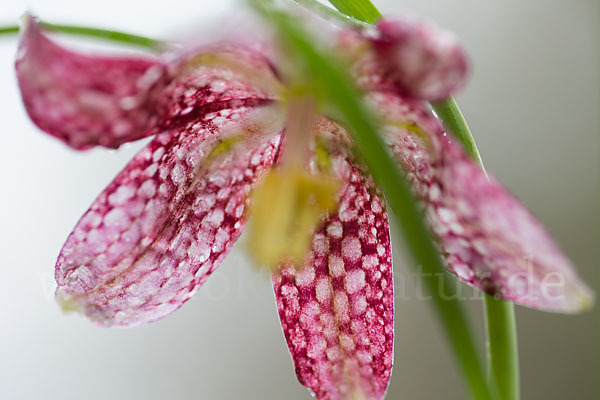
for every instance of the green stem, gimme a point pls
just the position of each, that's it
(502, 349)
(449, 113)
(105, 34)
(9, 30)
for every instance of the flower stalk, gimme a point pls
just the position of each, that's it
(501, 346)
(450, 115)
(105, 34)
(9, 30)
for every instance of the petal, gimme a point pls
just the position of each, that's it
(168, 219)
(413, 58)
(337, 313)
(213, 75)
(90, 100)
(85, 100)
(489, 240)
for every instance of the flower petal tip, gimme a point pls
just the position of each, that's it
(66, 303)
(25, 21)
(583, 299)
(70, 305)
(587, 302)
(575, 300)
(423, 61)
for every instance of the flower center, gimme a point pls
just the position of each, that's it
(291, 202)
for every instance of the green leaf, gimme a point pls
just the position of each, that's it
(329, 13)
(359, 9)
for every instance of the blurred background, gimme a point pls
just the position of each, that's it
(533, 104)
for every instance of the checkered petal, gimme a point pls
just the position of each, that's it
(168, 219)
(488, 238)
(337, 313)
(91, 100)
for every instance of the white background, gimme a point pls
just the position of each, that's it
(533, 105)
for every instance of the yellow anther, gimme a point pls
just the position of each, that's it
(288, 207)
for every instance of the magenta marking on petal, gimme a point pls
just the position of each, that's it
(165, 223)
(489, 240)
(337, 312)
(85, 100)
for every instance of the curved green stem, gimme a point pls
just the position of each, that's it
(449, 113)
(9, 30)
(105, 34)
(502, 353)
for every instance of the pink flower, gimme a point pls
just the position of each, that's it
(157, 232)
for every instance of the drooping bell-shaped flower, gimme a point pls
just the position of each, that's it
(222, 118)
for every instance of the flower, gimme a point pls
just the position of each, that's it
(219, 121)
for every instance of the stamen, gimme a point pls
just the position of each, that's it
(291, 202)
(287, 209)
(298, 132)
